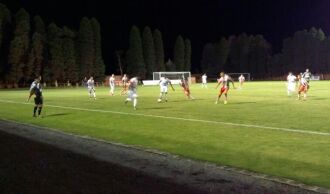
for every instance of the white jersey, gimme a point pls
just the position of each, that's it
(241, 78)
(133, 83)
(112, 81)
(307, 75)
(164, 82)
(132, 88)
(124, 80)
(90, 83)
(35, 84)
(224, 81)
(303, 81)
(291, 78)
(291, 83)
(204, 79)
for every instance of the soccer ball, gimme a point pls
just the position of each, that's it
(159, 100)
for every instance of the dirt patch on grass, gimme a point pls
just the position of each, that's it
(41, 160)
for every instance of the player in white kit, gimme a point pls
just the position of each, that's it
(204, 81)
(163, 83)
(291, 83)
(132, 91)
(112, 83)
(91, 88)
(241, 80)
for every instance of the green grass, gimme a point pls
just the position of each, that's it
(300, 156)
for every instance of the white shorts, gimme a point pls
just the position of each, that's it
(91, 89)
(291, 87)
(132, 94)
(163, 89)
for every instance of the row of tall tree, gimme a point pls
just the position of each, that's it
(253, 54)
(145, 54)
(29, 48)
(243, 53)
(306, 49)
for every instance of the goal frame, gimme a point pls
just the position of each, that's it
(158, 75)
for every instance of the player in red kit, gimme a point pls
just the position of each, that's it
(224, 80)
(185, 86)
(303, 87)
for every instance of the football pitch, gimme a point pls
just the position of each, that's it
(261, 129)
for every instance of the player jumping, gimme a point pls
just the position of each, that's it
(132, 91)
(224, 80)
(36, 90)
(91, 88)
(163, 83)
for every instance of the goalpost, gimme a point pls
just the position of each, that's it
(236, 75)
(173, 76)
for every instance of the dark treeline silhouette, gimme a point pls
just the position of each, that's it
(253, 54)
(29, 48)
(145, 54)
(306, 49)
(243, 53)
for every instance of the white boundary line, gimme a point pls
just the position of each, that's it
(182, 119)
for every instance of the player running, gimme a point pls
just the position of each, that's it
(112, 83)
(291, 83)
(163, 83)
(124, 83)
(132, 91)
(185, 86)
(241, 80)
(307, 75)
(204, 81)
(36, 90)
(303, 87)
(91, 88)
(224, 80)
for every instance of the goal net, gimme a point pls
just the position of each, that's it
(172, 75)
(235, 76)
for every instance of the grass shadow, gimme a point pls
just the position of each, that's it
(57, 114)
(245, 102)
(155, 108)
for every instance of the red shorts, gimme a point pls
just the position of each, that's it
(186, 91)
(224, 90)
(302, 88)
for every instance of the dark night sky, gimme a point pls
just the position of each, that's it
(201, 21)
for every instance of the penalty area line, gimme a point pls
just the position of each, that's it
(179, 118)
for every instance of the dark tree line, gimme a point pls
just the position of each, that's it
(253, 54)
(306, 49)
(146, 53)
(28, 48)
(243, 53)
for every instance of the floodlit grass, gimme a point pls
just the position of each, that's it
(300, 156)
